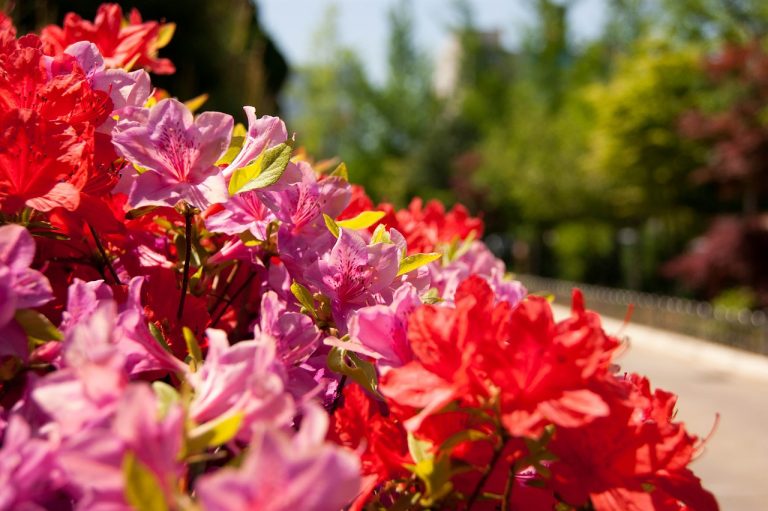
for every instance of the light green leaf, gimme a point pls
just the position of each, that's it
(362, 221)
(165, 34)
(420, 449)
(235, 145)
(193, 347)
(195, 103)
(139, 212)
(37, 326)
(412, 262)
(142, 489)
(380, 235)
(214, 433)
(332, 225)
(304, 297)
(263, 171)
(167, 396)
(341, 172)
(349, 364)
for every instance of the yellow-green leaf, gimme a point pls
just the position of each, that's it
(195, 103)
(332, 225)
(165, 34)
(412, 262)
(166, 395)
(419, 449)
(263, 171)
(193, 347)
(304, 297)
(362, 221)
(37, 326)
(380, 235)
(341, 172)
(142, 489)
(349, 364)
(214, 433)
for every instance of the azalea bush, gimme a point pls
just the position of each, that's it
(195, 316)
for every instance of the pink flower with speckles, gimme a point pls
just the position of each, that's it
(176, 154)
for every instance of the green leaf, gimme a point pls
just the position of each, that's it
(304, 297)
(235, 145)
(139, 212)
(142, 489)
(37, 326)
(167, 396)
(412, 262)
(362, 221)
(164, 35)
(214, 433)
(380, 235)
(419, 449)
(332, 225)
(263, 171)
(193, 347)
(158, 336)
(349, 364)
(195, 103)
(436, 475)
(341, 172)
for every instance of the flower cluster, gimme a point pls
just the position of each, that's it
(194, 318)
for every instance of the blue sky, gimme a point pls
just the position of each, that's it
(363, 24)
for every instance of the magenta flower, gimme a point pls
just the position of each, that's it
(244, 378)
(241, 213)
(92, 458)
(283, 473)
(295, 334)
(21, 287)
(178, 152)
(352, 273)
(380, 331)
(28, 476)
(477, 260)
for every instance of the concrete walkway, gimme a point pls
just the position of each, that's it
(710, 379)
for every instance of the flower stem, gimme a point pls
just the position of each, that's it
(337, 395)
(103, 253)
(508, 489)
(187, 256)
(237, 292)
(497, 452)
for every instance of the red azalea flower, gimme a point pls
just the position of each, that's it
(123, 44)
(633, 458)
(425, 228)
(40, 162)
(357, 424)
(543, 372)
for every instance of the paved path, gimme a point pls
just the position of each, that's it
(710, 379)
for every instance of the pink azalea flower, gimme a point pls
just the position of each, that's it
(125, 89)
(245, 378)
(480, 261)
(28, 476)
(295, 334)
(21, 287)
(283, 473)
(380, 331)
(262, 133)
(92, 458)
(352, 273)
(178, 152)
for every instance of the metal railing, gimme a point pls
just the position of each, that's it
(743, 329)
